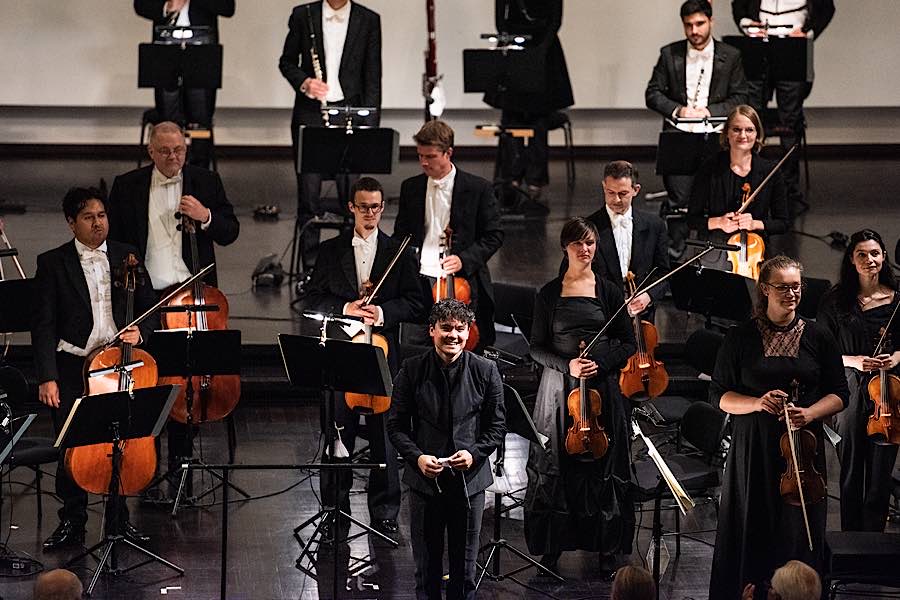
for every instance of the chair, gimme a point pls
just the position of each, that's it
(514, 307)
(560, 120)
(862, 557)
(31, 452)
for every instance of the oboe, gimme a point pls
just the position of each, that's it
(317, 66)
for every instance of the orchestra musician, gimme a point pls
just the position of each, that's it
(701, 78)
(577, 502)
(80, 310)
(447, 417)
(344, 265)
(855, 311)
(756, 365)
(628, 239)
(346, 71)
(717, 191)
(188, 106)
(445, 196)
(142, 212)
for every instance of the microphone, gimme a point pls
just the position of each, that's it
(709, 244)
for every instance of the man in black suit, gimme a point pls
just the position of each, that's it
(444, 196)
(447, 415)
(80, 310)
(344, 266)
(628, 239)
(142, 212)
(188, 106)
(701, 77)
(803, 19)
(348, 46)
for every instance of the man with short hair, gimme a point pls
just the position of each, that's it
(628, 239)
(698, 78)
(345, 267)
(80, 310)
(445, 197)
(447, 417)
(58, 584)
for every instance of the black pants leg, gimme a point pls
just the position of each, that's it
(790, 96)
(335, 484)
(518, 161)
(74, 499)
(384, 484)
(189, 107)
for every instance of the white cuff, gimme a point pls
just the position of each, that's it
(204, 226)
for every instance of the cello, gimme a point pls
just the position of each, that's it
(586, 434)
(643, 376)
(370, 403)
(454, 287)
(90, 466)
(884, 390)
(216, 396)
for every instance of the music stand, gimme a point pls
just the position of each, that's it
(775, 58)
(340, 151)
(188, 353)
(17, 428)
(713, 293)
(114, 418)
(682, 153)
(518, 421)
(16, 295)
(180, 65)
(335, 366)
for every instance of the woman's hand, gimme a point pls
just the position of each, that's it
(772, 402)
(800, 417)
(582, 367)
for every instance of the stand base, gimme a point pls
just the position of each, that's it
(108, 560)
(196, 463)
(495, 546)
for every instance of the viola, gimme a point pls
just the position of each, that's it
(643, 376)
(215, 396)
(454, 286)
(586, 434)
(90, 466)
(369, 403)
(746, 261)
(884, 390)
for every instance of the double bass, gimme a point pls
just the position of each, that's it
(643, 376)
(455, 287)
(884, 390)
(90, 466)
(215, 396)
(586, 434)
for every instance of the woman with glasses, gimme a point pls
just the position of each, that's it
(756, 366)
(717, 192)
(855, 311)
(578, 502)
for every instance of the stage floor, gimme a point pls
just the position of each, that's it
(847, 194)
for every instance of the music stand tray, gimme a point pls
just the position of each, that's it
(713, 293)
(175, 65)
(682, 153)
(16, 296)
(504, 71)
(338, 150)
(786, 58)
(114, 418)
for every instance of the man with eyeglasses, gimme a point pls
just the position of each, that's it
(345, 268)
(628, 239)
(146, 206)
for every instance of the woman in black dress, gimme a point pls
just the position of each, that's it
(758, 361)
(577, 502)
(854, 311)
(717, 190)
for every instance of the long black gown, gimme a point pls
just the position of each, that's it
(757, 531)
(866, 463)
(575, 503)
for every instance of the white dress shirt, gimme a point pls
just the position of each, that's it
(364, 250)
(622, 229)
(95, 265)
(438, 199)
(334, 32)
(698, 69)
(184, 19)
(164, 261)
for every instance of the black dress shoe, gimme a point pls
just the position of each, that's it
(133, 534)
(66, 534)
(386, 526)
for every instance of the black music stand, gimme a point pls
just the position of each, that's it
(335, 366)
(518, 421)
(188, 353)
(16, 294)
(180, 65)
(16, 429)
(775, 58)
(114, 418)
(340, 151)
(682, 153)
(713, 293)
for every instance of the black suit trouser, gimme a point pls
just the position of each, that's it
(518, 161)
(430, 517)
(189, 106)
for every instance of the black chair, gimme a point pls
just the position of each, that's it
(560, 120)
(862, 557)
(31, 452)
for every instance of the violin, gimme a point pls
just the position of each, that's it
(586, 434)
(801, 483)
(90, 466)
(884, 390)
(216, 396)
(746, 261)
(643, 376)
(454, 286)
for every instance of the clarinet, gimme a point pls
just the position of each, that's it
(317, 66)
(697, 91)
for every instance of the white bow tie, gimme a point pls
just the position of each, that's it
(336, 18)
(171, 181)
(620, 221)
(358, 241)
(88, 253)
(441, 185)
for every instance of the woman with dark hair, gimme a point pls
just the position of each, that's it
(756, 366)
(718, 186)
(855, 311)
(577, 502)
